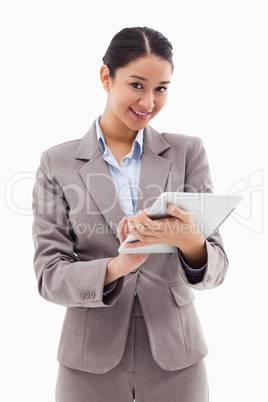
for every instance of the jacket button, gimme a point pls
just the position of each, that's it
(82, 295)
(92, 294)
(87, 294)
(208, 278)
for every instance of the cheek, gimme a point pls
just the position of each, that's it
(124, 99)
(116, 102)
(161, 102)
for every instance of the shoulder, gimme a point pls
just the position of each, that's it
(67, 154)
(183, 144)
(170, 142)
(186, 147)
(181, 140)
(173, 139)
(67, 148)
(187, 152)
(59, 156)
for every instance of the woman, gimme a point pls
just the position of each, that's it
(131, 329)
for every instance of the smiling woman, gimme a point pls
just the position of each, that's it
(136, 94)
(131, 329)
(136, 73)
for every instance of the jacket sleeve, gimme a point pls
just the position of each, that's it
(198, 179)
(62, 278)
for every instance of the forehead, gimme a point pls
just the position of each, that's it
(149, 68)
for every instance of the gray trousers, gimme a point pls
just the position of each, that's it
(136, 377)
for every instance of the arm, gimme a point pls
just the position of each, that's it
(62, 277)
(194, 275)
(195, 250)
(198, 178)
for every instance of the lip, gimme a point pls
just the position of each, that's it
(142, 116)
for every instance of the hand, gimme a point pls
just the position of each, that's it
(123, 264)
(179, 230)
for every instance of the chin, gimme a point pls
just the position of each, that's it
(139, 125)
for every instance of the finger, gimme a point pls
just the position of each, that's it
(146, 209)
(180, 213)
(141, 212)
(122, 229)
(144, 225)
(140, 232)
(144, 219)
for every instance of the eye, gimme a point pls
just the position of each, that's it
(136, 85)
(161, 89)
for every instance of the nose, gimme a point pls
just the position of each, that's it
(147, 101)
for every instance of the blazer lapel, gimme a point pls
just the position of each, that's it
(154, 168)
(98, 180)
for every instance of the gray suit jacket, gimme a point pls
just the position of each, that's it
(77, 211)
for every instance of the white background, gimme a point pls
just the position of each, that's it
(51, 52)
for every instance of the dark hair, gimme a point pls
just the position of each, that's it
(131, 43)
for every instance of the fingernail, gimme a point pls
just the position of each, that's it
(172, 207)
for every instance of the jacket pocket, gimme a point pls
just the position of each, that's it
(182, 294)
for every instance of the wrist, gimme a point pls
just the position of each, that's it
(112, 270)
(196, 257)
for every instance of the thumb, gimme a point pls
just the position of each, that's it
(122, 229)
(178, 212)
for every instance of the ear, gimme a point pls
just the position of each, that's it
(105, 77)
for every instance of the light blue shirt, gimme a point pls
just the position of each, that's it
(126, 176)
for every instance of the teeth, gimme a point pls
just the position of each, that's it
(139, 113)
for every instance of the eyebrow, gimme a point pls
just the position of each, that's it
(144, 79)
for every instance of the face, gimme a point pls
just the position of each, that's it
(138, 91)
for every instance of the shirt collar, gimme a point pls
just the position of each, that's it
(137, 144)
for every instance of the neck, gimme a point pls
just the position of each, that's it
(114, 130)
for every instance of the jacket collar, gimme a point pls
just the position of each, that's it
(89, 147)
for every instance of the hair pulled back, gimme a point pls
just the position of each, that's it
(131, 43)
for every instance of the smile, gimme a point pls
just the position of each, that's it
(140, 114)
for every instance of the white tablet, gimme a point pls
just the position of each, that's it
(208, 210)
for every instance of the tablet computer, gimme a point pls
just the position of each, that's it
(208, 210)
